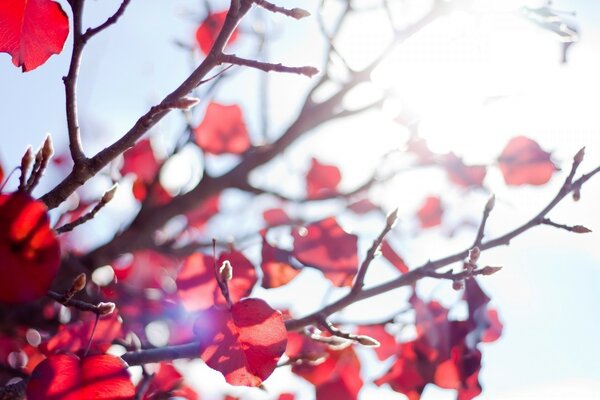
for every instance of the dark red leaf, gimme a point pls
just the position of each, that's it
(22, 35)
(322, 179)
(200, 215)
(390, 254)
(29, 249)
(338, 377)
(523, 162)
(198, 287)
(243, 343)
(430, 213)
(326, 246)
(76, 335)
(207, 32)
(167, 382)
(463, 175)
(66, 377)
(223, 130)
(140, 160)
(276, 267)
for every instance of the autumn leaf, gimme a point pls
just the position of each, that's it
(222, 130)
(75, 336)
(322, 179)
(326, 246)
(198, 288)
(29, 249)
(140, 160)
(276, 216)
(31, 31)
(390, 254)
(167, 382)
(200, 215)
(67, 377)
(463, 175)
(363, 206)
(276, 267)
(430, 213)
(523, 162)
(244, 343)
(209, 29)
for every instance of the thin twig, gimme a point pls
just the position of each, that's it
(110, 21)
(267, 67)
(359, 282)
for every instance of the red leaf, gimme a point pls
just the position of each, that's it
(387, 342)
(168, 383)
(243, 343)
(200, 215)
(275, 217)
(32, 30)
(327, 247)
(140, 160)
(286, 396)
(390, 254)
(430, 213)
(494, 330)
(523, 162)
(322, 179)
(66, 377)
(75, 336)
(198, 288)
(207, 32)
(338, 377)
(463, 175)
(29, 249)
(363, 206)
(1, 174)
(276, 267)
(223, 130)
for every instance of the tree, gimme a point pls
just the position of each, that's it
(171, 265)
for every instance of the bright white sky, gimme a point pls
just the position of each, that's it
(474, 80)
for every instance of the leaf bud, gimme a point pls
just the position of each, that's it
(105, 308)
(578, 158)
(47, 148)
(474, 254)
(487, 270)
(367, 341)
(79, 283)
(581, 229)
(299, 13)
(109, 194)
(458, 285)
(226, 271)
(489, 206)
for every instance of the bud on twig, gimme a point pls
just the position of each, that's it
(392, 218)
(105, 308)
(47, 148)
(226, 271)
(474, 254)
(26, 162)
(578, 158)
(109, 194)
(79, 283)
(186, 103)
(299, 13)
(458, 285)
(581, 229)
(487, 270)
(367, 341)
(489, 206)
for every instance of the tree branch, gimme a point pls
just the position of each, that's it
(267, 67)
(428, 269)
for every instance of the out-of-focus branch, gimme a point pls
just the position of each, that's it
(139, 357)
